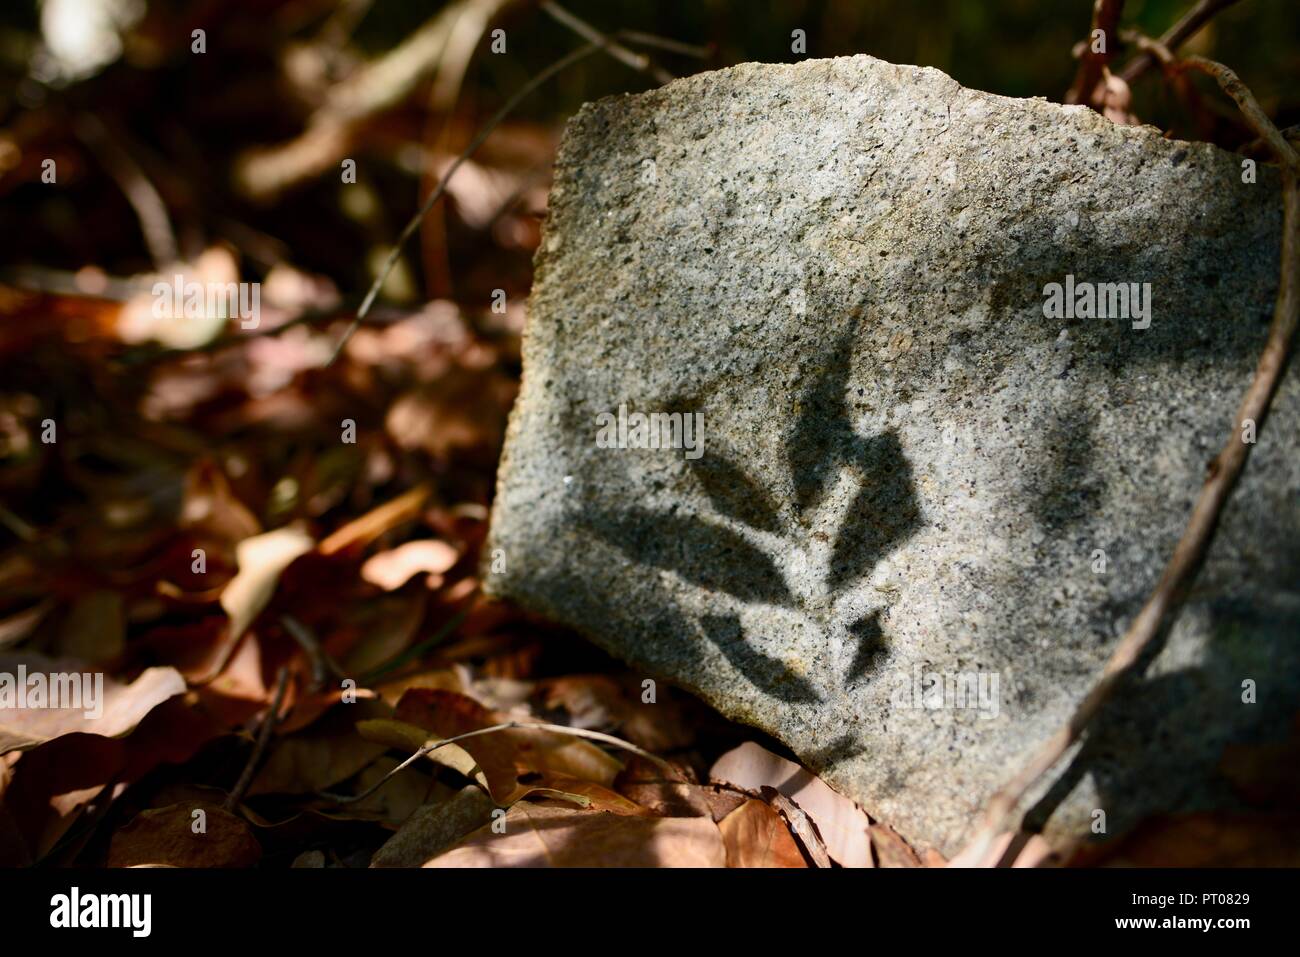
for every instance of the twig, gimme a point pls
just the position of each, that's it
(637, 61)
(800, 823)
(1291, 133)
(149, 207)
(269, 722)
(1231, 84)
(1181, 88)
(17, 524)
(322, 666)
(666, 43)
(482, 135)
(1176, 36)
(505, 726)
(1147, 44)
(1092, 65)
(371, 89)
(1162, 606)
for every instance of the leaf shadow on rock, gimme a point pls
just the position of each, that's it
(822, 435)
(882, 515)
(872, 648)
(702, 552)
(822, 441)
(1073, 490)
(726, 633)
(732, 492)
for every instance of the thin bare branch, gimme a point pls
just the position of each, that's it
(323, 666)
(395, 253)
(371, 89)
(1176, 36)
(269, 721)
(637, 61)
(505, 726)
(149, 207)
(1093, 63)
(665, 43)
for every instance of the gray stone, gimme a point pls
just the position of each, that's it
(908, 467)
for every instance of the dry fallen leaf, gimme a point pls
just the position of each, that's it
(397, 799)
(842, 824)
(586, 794)
(392, 569)
(398, 734)
(755, 836)
(209, 506)
(892, 850)
(362, 531)
(261, 560)
(537, 835)
(328, 752)
(435, 827)
(604, 703)
(514, 760)
(676, 795)
(184, 835)
(123, 706)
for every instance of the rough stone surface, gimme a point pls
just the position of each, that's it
(841, 264)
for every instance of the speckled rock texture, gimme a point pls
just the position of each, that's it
(912, 477)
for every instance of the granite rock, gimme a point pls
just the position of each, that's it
(926, 488)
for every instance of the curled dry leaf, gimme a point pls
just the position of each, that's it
(185, 835)
(392, 569)
(605, 703)
(435, 827)
(362, 531)
(514, 760)
(892, 850)
(398, 734)
(755, 836)
(677, 795)
(261, 560)
(586, 794)
(842, 824)
(538, 835)
(115, 710)
(321, 756)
